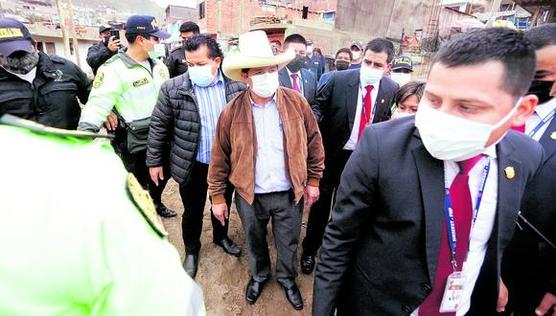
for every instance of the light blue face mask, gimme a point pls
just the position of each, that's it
(201, 75)
(369, 76)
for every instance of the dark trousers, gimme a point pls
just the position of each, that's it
(286, 226)
(136, 164)
(194, 195)
(320, 211)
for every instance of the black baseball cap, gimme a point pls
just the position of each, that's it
(145, 25)
(104, 28)
(403, 62)
(14, 36)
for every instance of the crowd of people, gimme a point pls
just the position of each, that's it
(423, 198)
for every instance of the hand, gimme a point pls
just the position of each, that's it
(311, 195)
(111, 122)
(113, 44)
(220, 211)
(548, 302)
(156, 173)
(502, 297)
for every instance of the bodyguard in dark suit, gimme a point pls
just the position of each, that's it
(294, 75)
(308, 84)
(435, 201)
(350, 100)
(529, 265)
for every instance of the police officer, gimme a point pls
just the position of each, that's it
(88, 242)
(176, 61)
(103, 50)
(35, 86)
(129, 83)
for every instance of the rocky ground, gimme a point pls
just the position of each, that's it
(223, 278)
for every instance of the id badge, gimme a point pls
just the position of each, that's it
(452, 293)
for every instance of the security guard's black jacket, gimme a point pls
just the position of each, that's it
(98, 54)
(51, 99)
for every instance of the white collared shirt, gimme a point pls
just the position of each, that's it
(541, 111)
(270, 167)
(482, 229)
(353, 138)
(299, 79)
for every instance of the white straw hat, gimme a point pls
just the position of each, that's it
(254, 52)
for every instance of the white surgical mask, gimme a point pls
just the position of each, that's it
(449, 137)
(355, 54)
(265, 85)
(201, 75)
(370, 76)
(309, 50)
(400, 78)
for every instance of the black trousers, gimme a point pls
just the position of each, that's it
(136, 164)
(194, 195)
(320, 211)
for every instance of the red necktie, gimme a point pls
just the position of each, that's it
(365, 111)
(295, 85)
(463, 217)
(520, 128)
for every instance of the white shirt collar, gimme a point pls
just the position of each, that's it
(298, 73)
(546, 108)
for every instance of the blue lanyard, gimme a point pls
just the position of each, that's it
(542, 123)
(449, 214)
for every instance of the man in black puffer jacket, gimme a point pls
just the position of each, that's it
(182, 128)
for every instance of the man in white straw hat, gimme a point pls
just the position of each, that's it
(269, 147)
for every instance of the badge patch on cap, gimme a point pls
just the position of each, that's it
(145, 204)
(11, 32)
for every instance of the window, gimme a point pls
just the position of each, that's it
(202, 11)
(50, 48)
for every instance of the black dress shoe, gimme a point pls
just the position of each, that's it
(253, 290)
(229, 247)
(294, 296)
(190, 264)
(164, 211)
(307, 264)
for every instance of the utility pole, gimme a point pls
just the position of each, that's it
(65, 39)
(74, 36)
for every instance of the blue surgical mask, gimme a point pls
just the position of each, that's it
(370, 76)
(201, 75)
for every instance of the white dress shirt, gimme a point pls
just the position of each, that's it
(541, 111)
(299, 79)
(482, 229)
(353, 138)
(270, 166)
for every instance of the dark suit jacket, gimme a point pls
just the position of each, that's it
(309, 83)
(380, 249)
(528, 266)
(336, 104)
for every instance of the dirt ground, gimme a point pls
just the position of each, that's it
(223, 278)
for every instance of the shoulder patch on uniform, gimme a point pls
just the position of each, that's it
(99, 80)
(12, 120)
(145, 204)
(140, 82)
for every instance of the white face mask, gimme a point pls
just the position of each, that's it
(368, 75)
(201, 75)
(400, 78)
(355, 54)
(309, 49)
(449, 137)
(265, 85)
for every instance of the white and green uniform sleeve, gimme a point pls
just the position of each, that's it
(74, 243)
(129, 87)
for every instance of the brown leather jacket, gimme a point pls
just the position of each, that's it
(234, 148)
